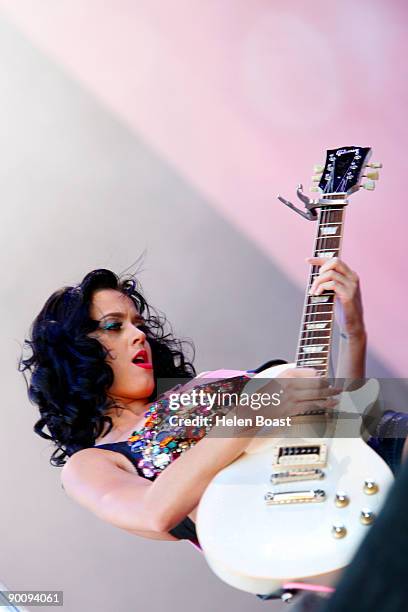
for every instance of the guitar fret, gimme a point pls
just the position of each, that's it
(329, 237)
(319, 299)
(328, 254)
(318, 323)
(316, 331)
(317, 312)
(330, 230)
(314, 348)
(306, 342)
(320, 303)
(314, 337)
(312, 361)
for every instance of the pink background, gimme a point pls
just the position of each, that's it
(242, 98)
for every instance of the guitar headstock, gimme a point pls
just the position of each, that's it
(344, 170)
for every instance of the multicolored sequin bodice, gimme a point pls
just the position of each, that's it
(159, 443)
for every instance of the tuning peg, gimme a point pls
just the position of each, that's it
(372, 174)
(370, 185)
(318, 169)
(316, 178)
(314, 188)
(375, 165)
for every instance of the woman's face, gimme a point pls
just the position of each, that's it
(119, 331)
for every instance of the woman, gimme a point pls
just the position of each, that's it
(98, 354)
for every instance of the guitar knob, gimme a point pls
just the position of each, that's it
(370, 185)
(339, 531)
(316, 178)
(318, 169)
(372, 174)
(375, 165)
(367, 517)
(341, 500)
(370, 487)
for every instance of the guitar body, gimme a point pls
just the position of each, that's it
(258, 547)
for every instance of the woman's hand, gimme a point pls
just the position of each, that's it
(304, 389)
(299, 389)
(335, 275)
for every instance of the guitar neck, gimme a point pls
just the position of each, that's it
(318, 313)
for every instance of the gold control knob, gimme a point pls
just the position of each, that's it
(370, 487)
(318, 169)
(370, 185)
(339, 531)
(341, 500)
(367, 517)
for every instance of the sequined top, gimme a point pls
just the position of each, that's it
(159, 442)
(151, 431)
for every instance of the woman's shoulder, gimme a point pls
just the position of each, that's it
(88, 458)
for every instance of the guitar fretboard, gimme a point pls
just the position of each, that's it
(318, 313)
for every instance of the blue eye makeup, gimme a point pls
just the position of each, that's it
(111, 325)
(117, 325)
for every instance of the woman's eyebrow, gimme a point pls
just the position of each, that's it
(112, 314)
(120, 314)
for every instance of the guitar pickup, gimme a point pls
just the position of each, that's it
(296, 475)
(298, 455)
(294, 497)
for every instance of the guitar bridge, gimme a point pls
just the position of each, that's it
(296, 475)
(294, 497)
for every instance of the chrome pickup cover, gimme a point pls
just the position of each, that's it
(298, 455)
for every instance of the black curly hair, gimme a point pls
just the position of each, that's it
(69, 375)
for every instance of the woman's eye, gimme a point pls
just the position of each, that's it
(112, 325)
(140, 323)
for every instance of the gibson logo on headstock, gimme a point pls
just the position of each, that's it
(344, 151)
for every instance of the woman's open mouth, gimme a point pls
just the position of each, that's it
(140, 359)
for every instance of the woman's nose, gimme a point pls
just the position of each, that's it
(137, 335)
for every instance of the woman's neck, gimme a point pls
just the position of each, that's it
(126, 416)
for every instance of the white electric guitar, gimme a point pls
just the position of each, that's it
(296, 509)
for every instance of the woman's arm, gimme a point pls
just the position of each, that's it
(179, 488)
(352, 357)
(96, 481)
(90, 475)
